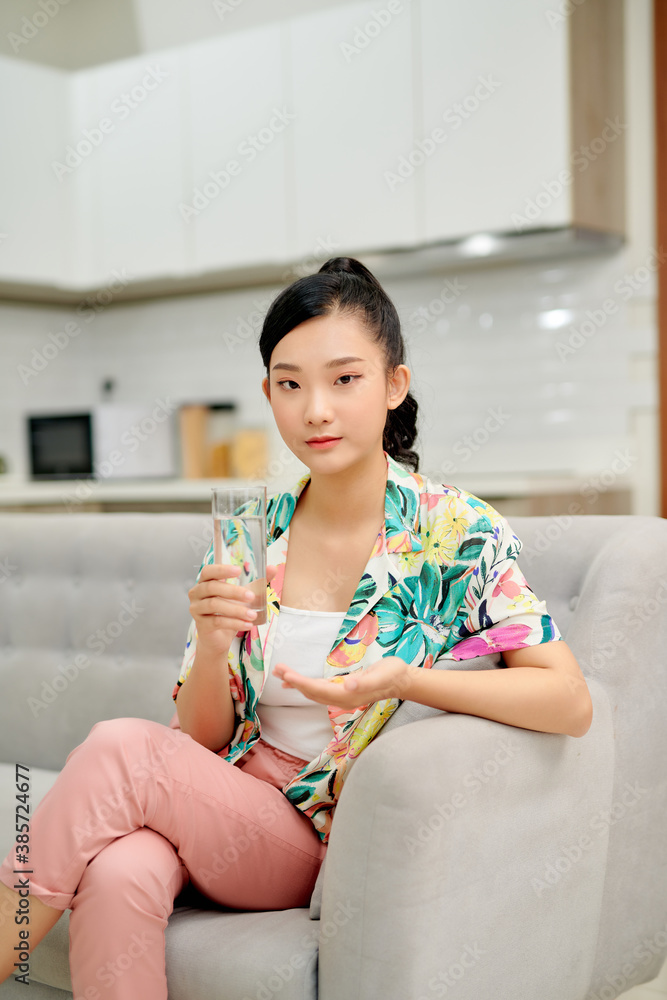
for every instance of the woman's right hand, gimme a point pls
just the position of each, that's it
(220, 606)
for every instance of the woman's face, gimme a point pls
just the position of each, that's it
(327, 379)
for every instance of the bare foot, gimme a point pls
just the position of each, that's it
(41, 919)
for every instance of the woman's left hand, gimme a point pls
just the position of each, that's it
(386, 678)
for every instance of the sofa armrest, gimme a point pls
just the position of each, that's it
(466, 852)
(407, 713)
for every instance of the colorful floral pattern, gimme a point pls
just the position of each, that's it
(441, 583)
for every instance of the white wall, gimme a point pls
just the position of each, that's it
(489, 351)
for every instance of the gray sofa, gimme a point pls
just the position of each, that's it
(497, 863)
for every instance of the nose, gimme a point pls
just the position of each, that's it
(318, 408)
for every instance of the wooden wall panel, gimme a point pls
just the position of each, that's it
(660, 70)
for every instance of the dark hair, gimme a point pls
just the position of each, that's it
(343, 284)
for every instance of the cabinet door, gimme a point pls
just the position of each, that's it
(36, 239)
(494, 82)
(131, 182)
(352, 86)
(241, 124)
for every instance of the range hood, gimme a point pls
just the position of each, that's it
(477, 250)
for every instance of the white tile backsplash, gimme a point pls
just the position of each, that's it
(492, 348)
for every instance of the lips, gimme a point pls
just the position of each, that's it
(322, 444)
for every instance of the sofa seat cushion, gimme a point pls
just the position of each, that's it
(215, 952)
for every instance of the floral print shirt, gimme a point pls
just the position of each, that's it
(441, 583)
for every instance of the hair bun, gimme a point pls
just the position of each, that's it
(347, 265)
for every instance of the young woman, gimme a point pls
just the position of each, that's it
(376, 574)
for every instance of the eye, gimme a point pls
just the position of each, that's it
(285, 383)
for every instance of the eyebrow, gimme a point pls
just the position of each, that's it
(335, 363)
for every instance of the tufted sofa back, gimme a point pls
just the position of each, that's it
(93, 621)
(94, 611)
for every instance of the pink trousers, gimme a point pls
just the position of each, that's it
(139, 810)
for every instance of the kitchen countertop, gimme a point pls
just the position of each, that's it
(82, 491)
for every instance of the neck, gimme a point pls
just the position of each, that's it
(353, 496)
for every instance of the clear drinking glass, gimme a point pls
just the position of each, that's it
(239, 538)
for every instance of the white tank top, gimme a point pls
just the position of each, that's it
(288, 719)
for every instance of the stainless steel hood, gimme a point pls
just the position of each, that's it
(477, 250)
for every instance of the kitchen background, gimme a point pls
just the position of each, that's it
(164, 174)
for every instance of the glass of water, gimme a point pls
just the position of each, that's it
(239, 538)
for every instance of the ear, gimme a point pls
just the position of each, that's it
(266, 388)
(398, 386)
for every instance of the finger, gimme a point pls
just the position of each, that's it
(218, 588)
(218, 571)
(232, 610)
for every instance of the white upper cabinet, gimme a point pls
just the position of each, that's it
(520, 102)
(129, 130)
(495, 114)
(351, 80)
(364, 127)
(36, 237)
(240, 121)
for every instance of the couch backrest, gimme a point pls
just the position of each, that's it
(558, 553)
(94, 614)
(94, 610)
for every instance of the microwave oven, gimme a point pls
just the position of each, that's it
(110, 441)
(61, 446)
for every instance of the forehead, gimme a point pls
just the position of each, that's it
(323, 338)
